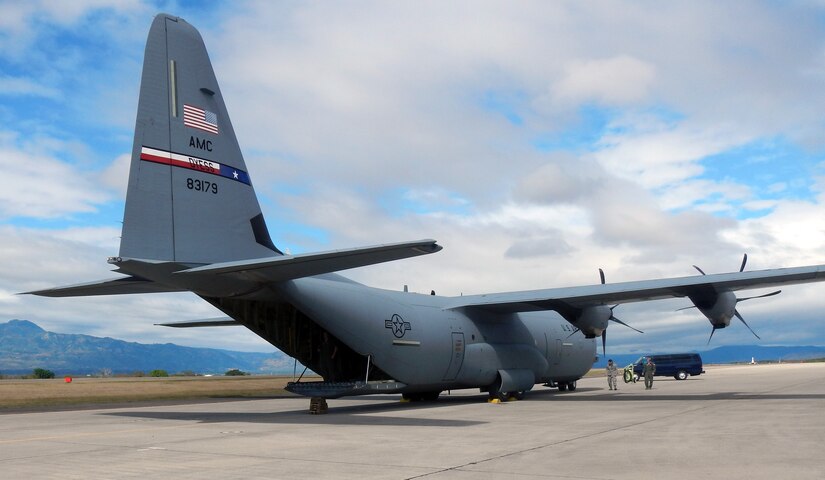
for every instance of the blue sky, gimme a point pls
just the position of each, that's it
(535, 144)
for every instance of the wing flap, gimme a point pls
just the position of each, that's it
(288, 267)
(627, 292)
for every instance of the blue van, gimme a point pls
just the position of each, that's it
(676, 365)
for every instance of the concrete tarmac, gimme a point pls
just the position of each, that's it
(735, 422)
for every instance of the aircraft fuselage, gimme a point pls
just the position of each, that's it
(412, 338)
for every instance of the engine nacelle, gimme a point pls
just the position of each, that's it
(718, 308)
(592, 321)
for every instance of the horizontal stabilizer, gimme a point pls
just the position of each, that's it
(117, 286)
(207, 322)
(288, 267)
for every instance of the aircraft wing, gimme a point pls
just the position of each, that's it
(627, 292)
(118, 286)
(288, 267)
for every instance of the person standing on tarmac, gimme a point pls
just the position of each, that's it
(650, 369)
(612, 372)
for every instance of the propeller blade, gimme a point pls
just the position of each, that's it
(601, 275)
(760, 296)
(711, 334)
(614, 319)
(604, 342)
(700, 270)
(744, 261)
(686, 308)
(735, 312)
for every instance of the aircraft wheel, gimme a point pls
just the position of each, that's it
(571, 386)
(562, 386)
(495, 391)
(430, 396)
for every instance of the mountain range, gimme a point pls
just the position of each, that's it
(730, 354)
(25, 346)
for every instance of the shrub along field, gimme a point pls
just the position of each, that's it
(85, 391)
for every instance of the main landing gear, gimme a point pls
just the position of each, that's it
(501, 397)
(562, 386)
(420, 396)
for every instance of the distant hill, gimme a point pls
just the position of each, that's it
(25, 346)
(731, 354)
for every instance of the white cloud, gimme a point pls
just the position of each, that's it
(613, 81)
(24, 86)
(347, 102)
(657, 154)
(38, 184)
(548, 245)
(565, 178)
(689, 193)
(116, 175)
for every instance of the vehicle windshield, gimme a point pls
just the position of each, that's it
(641, 361)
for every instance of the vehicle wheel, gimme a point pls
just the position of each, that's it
(627, 376)
(637, 377)
(572, 386)
(681, 375)
(562, 386)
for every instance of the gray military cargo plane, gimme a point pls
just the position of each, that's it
(192, 223)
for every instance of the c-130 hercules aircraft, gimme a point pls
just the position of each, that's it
(192, 223)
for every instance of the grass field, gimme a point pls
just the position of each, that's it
(84, 391)
(22, 394)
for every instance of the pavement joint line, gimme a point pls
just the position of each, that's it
(713, 403)
(539, 447)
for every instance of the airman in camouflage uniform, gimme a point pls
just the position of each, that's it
(612, 372)
(650, 369)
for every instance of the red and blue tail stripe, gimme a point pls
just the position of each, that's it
(194, 163)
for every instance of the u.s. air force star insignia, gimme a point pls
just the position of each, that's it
(398, 325)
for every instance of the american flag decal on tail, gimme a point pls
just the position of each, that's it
(201, 119)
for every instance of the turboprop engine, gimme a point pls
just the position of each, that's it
(592, 321)
(719, 307)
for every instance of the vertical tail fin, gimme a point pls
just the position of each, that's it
(190, 198)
